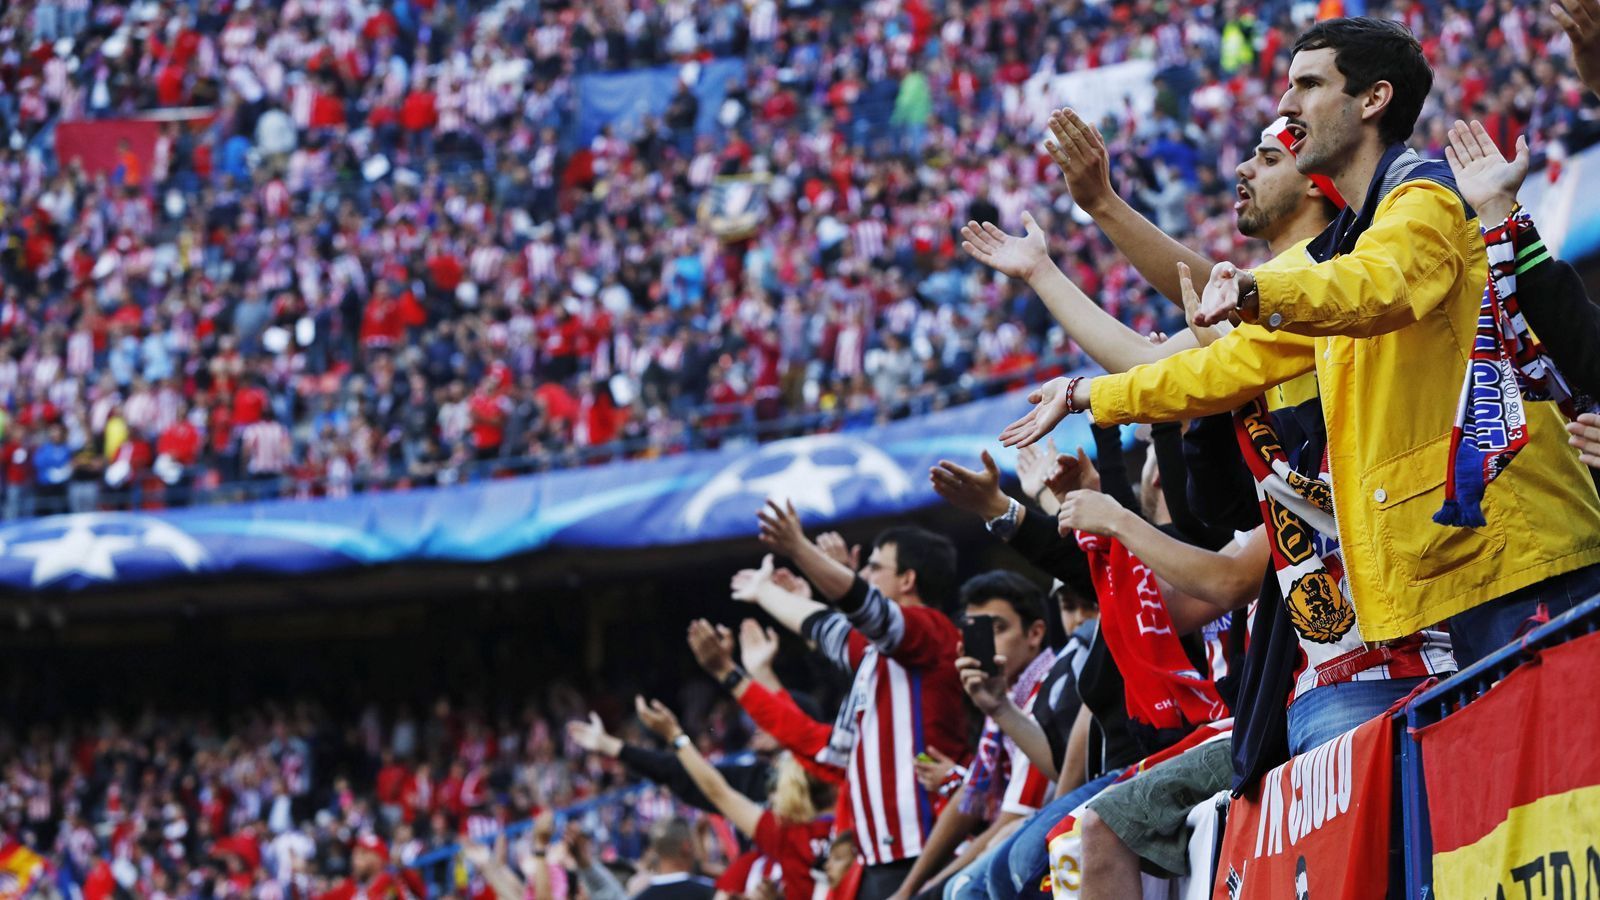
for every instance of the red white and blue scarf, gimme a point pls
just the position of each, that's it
(1508, 366)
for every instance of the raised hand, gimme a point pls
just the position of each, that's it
(1019, 257)
(578, 844)
(780, 528)
(656, 717)
(794, 584)
(758, 646)
(747, 583)
(593, 737)
(975, 492)
(1033, 466)
(712, 647)
(1191, 307)
(1580, 19)
(1487, 180)
(1080, 154)
(835, 547)
(988, 692)
(1050, 406)
(1072, 473)
(1090, 511)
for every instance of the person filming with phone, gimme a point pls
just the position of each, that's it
(1004, 659)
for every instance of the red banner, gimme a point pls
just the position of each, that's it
(106, 145)
(1514, 783)
(1317, 826)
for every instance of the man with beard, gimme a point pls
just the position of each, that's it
(1386, 310)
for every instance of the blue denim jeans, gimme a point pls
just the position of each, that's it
(1020, 863)
(1486, 628)
(1324, 713)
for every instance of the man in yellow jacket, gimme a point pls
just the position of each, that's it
(1384, 310)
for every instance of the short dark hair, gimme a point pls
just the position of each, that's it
(1023, 595)
(930, 555)
(1368, 50)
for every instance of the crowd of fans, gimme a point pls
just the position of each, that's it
(1110, 705)
(389, 254)
(275, 801)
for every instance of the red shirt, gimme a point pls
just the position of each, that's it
(800, 849)
(391, 783)
(181, 441)
(419, 111)
(248, 405)
(488, 421)
(380, 323)
(446, 271)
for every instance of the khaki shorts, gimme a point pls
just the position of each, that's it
(1149, 811)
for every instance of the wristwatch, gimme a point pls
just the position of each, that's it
(681, 741)
(1004, 526)
(732, 679)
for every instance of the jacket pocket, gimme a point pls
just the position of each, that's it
(1406, 491)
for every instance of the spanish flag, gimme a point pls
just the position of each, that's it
(1514, 783)
(20, 870)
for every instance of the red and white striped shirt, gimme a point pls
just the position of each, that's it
(905, 698)
(267, 448)
(870, 237)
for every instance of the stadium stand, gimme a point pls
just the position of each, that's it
(309, 249)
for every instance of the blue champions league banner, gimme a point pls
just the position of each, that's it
(685, 499)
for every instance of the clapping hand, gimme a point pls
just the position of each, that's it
(1072, 473)
(712, 647)
(747, 583)
(758, 646)
(965, 489)
(656, 717)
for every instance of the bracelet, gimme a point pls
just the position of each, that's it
(681, 741)
(732, 679)
(1072, 390)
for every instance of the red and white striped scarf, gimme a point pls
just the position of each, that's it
(1508, 366)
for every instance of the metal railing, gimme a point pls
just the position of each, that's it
(1450, 696)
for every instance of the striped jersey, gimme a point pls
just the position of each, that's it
(905, 697)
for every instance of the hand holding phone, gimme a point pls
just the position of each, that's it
(977, 641)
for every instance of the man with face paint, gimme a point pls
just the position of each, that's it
(1384, 308)
(1142, 822)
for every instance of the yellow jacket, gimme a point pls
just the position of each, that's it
(1388, 328)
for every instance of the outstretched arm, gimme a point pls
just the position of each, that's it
(744, 813)
(1220, 580)
(1081, 155)
(1113, 345)
(757, 586)
(781, 531)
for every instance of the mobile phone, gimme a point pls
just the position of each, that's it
(977, 641)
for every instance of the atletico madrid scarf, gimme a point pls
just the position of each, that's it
(1507, 367)
(1298, 511)
(986, 782)
(1162, 689)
